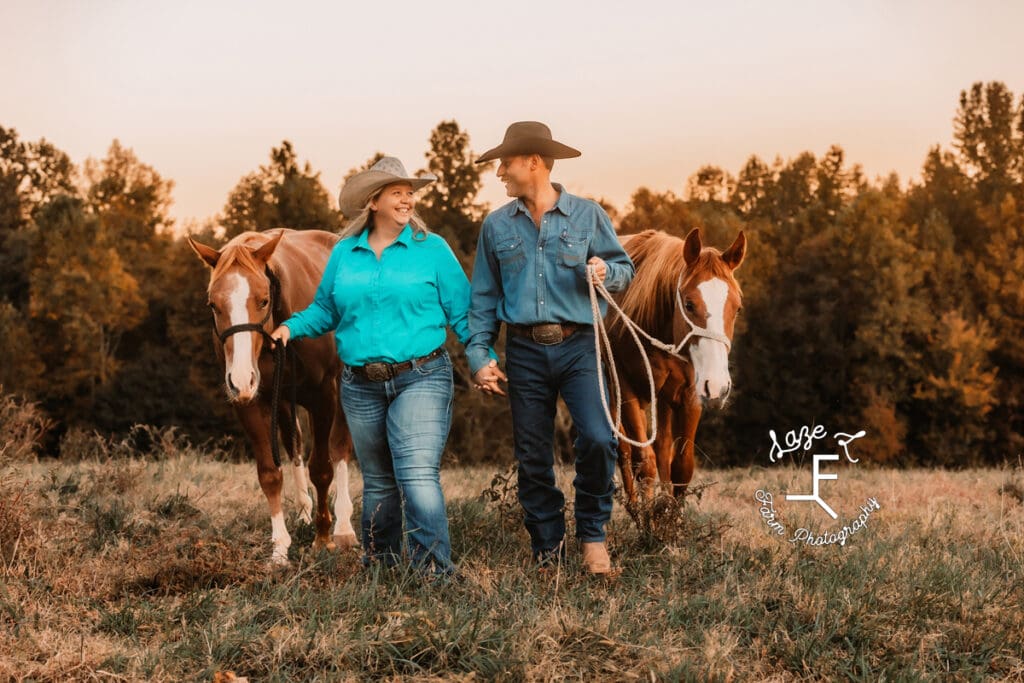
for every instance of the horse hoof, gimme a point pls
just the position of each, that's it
(321, 544)
(346, 541)
(277, 561)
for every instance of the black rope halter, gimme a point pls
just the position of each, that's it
(282, 354)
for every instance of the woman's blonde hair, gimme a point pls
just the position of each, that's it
(365, 217)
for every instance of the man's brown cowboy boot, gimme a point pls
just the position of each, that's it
(595, 559)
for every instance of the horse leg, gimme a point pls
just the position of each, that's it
(630, 428)
(641, 468)
(255, 420)
(341, 455)
(340, 450)
(687, 419)
(321, 469)
(664, 445)
(291, 434)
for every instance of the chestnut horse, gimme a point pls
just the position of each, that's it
(682, 293)
(257, 281)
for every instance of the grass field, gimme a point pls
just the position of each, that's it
(131, 569)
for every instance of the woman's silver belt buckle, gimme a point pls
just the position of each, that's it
(377, 372)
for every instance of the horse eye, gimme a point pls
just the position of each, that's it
(263, 304)
(690, 308)
(213, 306)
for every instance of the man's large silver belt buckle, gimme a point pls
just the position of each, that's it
(377, 372)
(547, 334)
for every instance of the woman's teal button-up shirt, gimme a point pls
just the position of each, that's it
(392, 309)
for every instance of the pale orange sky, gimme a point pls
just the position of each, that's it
(649, 91)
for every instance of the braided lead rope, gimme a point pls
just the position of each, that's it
(601, 338)
(635, 331)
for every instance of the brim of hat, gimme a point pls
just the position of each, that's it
(522, 146)
(360, 186)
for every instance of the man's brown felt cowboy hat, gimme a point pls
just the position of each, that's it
(529, 137)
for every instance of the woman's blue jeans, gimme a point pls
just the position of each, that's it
(399, 429)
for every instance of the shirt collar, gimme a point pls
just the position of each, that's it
(404, 238)
(564, 203)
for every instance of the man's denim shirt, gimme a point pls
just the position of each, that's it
(526, 276)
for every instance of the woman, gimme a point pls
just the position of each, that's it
(389, 290)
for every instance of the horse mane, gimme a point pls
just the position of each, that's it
(238, 252)
(658, 258)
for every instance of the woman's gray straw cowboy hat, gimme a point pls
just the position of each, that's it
(363, 184)
(529, 137)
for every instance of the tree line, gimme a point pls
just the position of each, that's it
(868, 304)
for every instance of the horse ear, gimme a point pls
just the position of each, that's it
(733, 256)
(692, 247)
(209, 255)
(263, 254)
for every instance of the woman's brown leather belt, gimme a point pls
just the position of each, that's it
(382, 372)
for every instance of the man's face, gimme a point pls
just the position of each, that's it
(516, 172)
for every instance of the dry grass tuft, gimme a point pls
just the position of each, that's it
(16, 530)
(500, 495)
(23, 426)
(663, 519)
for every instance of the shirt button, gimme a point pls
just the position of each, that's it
(540, 274)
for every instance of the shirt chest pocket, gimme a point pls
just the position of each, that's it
(573, 246)
(511, 254)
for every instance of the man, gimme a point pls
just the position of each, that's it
(531, 274)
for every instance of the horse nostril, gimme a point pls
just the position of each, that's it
(707, 389)
(231, 386)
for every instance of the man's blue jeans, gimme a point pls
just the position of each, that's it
(536, 375)
(399, 429)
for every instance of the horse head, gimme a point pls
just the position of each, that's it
(240, 296)
(707, 301)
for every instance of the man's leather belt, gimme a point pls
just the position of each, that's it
(382, 372)
(545, 333)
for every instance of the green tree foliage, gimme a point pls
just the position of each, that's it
(283, 194)
(899, 311)
(83, 300)
(21, 371)
(30, 174)
(657, 211)
(450, 205)
(989, 135)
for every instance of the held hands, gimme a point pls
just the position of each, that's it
(281, 334)
(486, 379)
(598, 268)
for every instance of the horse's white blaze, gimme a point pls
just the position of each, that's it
(240, 374)
(710, 357)
(342, 501)
(280, 538)
(301, 480)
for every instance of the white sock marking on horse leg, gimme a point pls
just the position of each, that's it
(280, 538)
(301, 481)
(342, 501)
